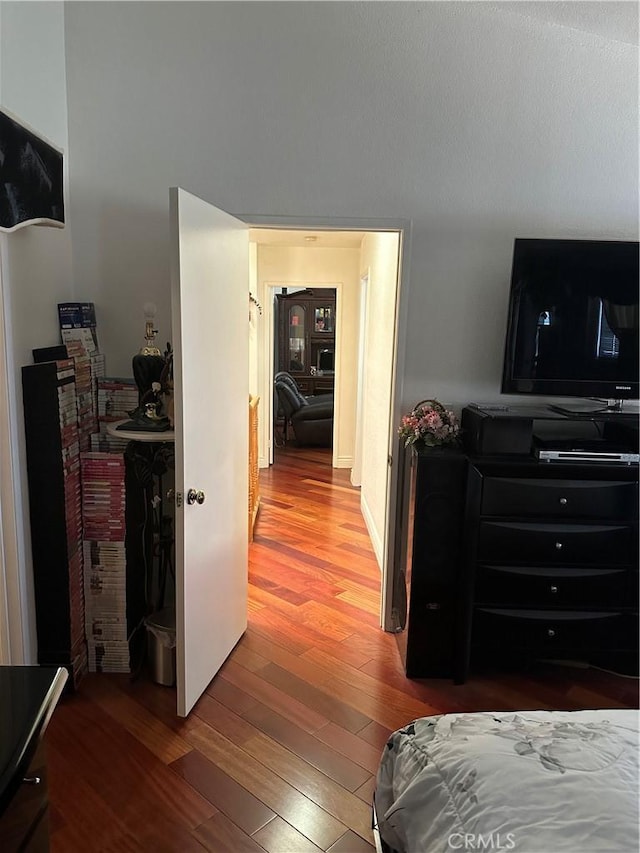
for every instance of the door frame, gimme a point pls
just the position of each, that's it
(12, 599)
(403, 227)
(363, 311)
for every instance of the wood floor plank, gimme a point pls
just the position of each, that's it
(230, 695)
(239, 805)
(248, 658)
(328, 706)
(96, 823)
(273, 602)
(391, 705)
(302, 813)
(265, 563)
(279, 590)
(278, 628)
(223, 719)
(137, 720)
(307, 635)
(369, 602)
(220, 835)
(363, 552)
(255, 640)
(315, 612)
(136, 784)
(351, 843)
(299, 713)
(376, 735)
(326, 793)
(254, 606)
(365, 791)
(359, 749)
(280, 837)
(309, 748)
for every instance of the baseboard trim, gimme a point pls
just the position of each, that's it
(344, 462)
(376, 540)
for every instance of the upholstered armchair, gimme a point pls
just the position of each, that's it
(310, 417)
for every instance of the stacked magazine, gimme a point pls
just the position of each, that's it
(116, 398)
(103, 499)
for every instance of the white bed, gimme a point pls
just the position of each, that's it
(528, 781)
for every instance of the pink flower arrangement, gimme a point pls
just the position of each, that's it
(430, 423)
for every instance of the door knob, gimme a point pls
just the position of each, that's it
(194, 496)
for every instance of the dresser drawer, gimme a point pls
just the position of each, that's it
(548, 630)
(524, 542)
(556, 586)
(24, 826)
(600, 499)
(305, 386)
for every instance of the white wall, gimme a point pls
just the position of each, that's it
(36, 261)
(303, 266)
(474, 122)
(379, 259)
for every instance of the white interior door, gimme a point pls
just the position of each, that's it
(210, 305)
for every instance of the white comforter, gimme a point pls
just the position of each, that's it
(528, 781)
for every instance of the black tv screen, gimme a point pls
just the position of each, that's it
(573, 319)
(325, 360)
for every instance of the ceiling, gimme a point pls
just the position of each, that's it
(617, 20)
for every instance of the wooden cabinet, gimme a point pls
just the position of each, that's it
(306, 338)
(551, 568)
(53, 472)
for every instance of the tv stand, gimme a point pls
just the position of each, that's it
(518, 430)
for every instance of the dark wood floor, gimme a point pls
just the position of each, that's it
(280, 753)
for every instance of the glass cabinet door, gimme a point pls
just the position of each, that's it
(297, 355)
(323, 319)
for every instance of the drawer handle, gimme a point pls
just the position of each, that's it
(553, 589)
(558, 546)
(563, 501)
(550, 632)
(32, 780)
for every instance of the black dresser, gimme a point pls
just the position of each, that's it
(28, 696)
(505, 558)
(551, 563)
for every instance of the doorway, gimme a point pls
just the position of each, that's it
(375, 385)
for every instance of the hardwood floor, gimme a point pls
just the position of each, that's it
(280, 753)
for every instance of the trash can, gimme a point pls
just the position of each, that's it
(161, 646)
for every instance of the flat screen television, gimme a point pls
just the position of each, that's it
(325, 360)
(573, 319)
